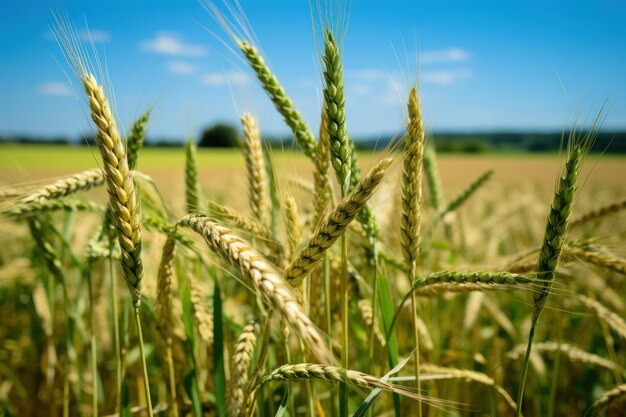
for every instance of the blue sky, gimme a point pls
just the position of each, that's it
(484, 65)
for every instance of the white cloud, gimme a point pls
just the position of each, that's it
(445, 55)
(168, 43)
(360, 89)
(223, 78)
(444, 77)
(55, 88)
(94, 35)
(181, 68)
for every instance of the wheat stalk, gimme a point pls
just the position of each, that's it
(333, 374)
(554, 237)
(272, 87)
(244, 349)
(135, 141)
(255, 167)
(609, 399)
(611, 318)
(411, 211)
(469, 375)
(265, 279)
(191, 178)
(81, 181)
(432, 177)
(599, 213)
(574, 353)
(463, 196)
(321, 176)
(36, 207)
(294, 229)
(335, 225)
(201, 317)
(334, 103)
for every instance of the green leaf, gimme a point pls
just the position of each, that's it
(191, 386)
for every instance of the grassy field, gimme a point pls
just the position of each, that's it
(221, 170)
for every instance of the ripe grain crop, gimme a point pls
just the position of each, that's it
(293, 297)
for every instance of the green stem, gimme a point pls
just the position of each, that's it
(92, 342)
(144, 367)
(343, 398)
(520, 393)
(412, 277)
(172, 378)
(116, 332)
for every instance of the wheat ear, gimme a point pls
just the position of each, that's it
(135, 140)
(201, 317)
(81, 181)
(611, 318)
(294, 229)
(122, 196)
(333, 374)
(463, 196)
(250, 225)
(336, 223)
(123, 203)
(35, 207)
(554, 238)
(244, 349)
(334, 102)
(265, 279)
(596, 258)
(321, 176)
(431, 170)
(469, 375)
(574, 353)
(272, 87)
(411, 210)
(255, 167)
(191, 178)
(599, 213)
(613, 397)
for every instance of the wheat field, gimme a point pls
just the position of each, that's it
(257, 283)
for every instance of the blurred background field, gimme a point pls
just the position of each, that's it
(222, 170)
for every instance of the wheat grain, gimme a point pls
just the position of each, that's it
(81, 181)
(244, 349)
(255, 166)
(611, 318)
(136, 139)
(294, 229)
(272, 87)
(321, 177)
(334, 103)
(611, 399)
(599, 213)
(192, 186)
(201, 317)
(432, 177)
(335, 225)
(266, 280)
(37, 207)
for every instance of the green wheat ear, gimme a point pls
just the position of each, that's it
(335, 102)
(555, 234)
(135, 140)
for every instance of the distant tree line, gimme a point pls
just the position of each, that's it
(225, 136)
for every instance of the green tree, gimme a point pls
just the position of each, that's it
(220, 136)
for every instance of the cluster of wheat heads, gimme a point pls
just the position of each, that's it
(406, 304)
